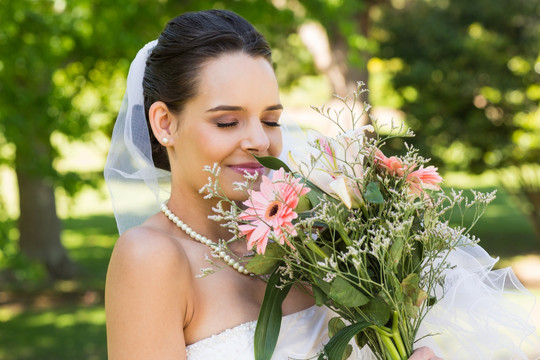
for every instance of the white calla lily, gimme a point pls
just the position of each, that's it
(347, 192)
(352, 143)
(340, 189)
(335, 164)
(318, 175)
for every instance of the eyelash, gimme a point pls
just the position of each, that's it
(226, 125)
(234, 123)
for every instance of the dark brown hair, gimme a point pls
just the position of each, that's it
(186, 43)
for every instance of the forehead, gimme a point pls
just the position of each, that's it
(237, 79)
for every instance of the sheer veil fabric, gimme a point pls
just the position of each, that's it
(136, 186)
(484, 314)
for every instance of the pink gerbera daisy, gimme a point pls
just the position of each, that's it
(393, 165)
(424, 178)
(418, 180)
(271, 210)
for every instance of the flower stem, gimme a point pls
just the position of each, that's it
(345, 237)
(389, 346)
(382, 329)
(317, 250)
(397, 337)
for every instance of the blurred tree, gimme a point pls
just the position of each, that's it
(470, 82)
(54, 72)
(62, 71)
(350, 45)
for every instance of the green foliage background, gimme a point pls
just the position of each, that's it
(469, 79)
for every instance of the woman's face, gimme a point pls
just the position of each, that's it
(234, 115)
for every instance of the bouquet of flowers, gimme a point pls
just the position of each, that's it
(367, 234)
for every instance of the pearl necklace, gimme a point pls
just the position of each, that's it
(203, 240)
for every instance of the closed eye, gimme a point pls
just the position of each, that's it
(272, 123)
(226, 125)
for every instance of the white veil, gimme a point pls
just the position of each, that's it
(485, 312)
(136, 186)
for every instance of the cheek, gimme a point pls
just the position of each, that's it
(214, 147)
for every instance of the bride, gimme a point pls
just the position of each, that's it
(204, 93)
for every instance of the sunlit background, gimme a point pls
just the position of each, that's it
(464, 75)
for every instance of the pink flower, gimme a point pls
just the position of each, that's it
(271, 209)
(418, 180)
(424, 178)
(393, 165)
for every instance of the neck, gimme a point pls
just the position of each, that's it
(194, 210)
(195, 214)
(216, 248)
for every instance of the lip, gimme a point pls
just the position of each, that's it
(249, 167)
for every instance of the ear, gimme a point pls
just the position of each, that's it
(161, 121)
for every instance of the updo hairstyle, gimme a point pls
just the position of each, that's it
(187, 42)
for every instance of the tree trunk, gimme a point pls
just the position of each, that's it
(39, 226)
(350, 74)
(534, 215)
(522, 183)
(535, 219)
(330, 50)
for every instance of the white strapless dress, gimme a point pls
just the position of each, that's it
(302, 336)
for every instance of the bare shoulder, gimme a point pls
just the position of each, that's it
(146, 258)
(150, 248)
(147, 296)
(144, 253)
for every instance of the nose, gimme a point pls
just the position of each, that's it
(256, 140)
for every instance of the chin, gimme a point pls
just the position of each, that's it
(241, 196)
(257, 184)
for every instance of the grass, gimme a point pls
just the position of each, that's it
(66, 320)
(65, 332)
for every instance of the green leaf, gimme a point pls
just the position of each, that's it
(361, 339)
(410, 310)
(410, 285)
(347, 353)
(269, 321)
(336, 347)
(422, 296)
(397, 294)
(344, 293)
(320, 296)
(264, 264)
(304, 204)
(373, 194)
(395, 252)
(334, 325)
(323, 285)
(272, 163)
(411, 288)
(320, 290)
(378, 311)
(314, 194)
(417, 254)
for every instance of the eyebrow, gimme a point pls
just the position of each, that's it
(240, 108)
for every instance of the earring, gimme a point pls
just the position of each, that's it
(165, 141)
